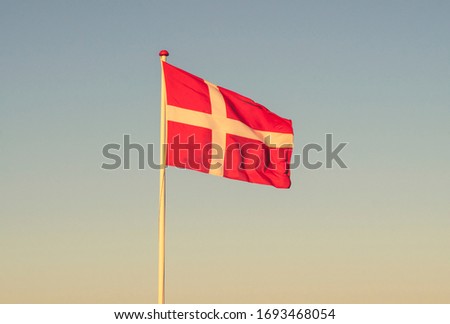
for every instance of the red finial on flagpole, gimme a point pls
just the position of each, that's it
(163, 53)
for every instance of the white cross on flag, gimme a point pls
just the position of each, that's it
(217, 131)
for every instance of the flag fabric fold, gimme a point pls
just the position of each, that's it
(217, 131)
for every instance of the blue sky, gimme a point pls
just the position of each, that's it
(75, 76)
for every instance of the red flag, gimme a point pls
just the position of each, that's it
(217, 131)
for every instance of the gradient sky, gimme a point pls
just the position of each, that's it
(77, 75)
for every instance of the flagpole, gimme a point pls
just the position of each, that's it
(162, 188)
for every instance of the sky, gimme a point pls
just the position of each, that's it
(75, 76)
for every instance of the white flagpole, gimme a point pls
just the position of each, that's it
(162, 189)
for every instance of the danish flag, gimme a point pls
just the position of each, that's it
(217, 131)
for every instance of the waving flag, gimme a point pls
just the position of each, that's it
(213, 130)
(217, 131)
